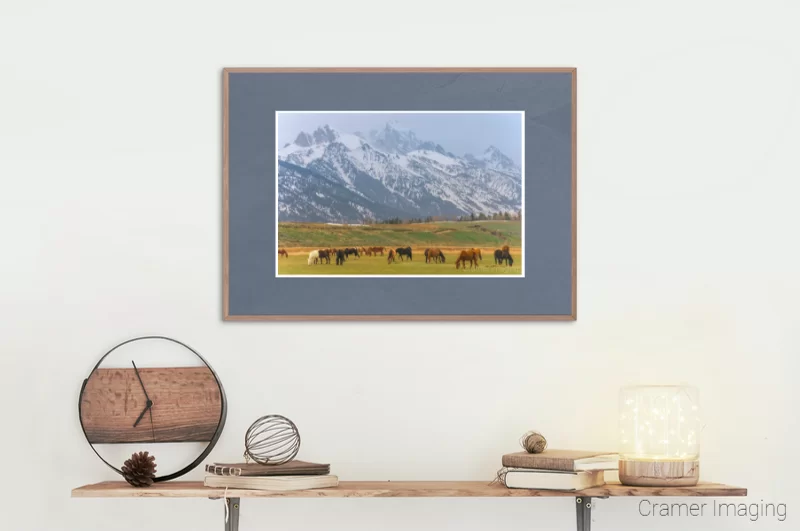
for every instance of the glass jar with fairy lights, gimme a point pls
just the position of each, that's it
(659, 435)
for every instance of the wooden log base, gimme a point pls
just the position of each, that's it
(659, 473)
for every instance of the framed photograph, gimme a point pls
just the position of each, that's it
(399, 194)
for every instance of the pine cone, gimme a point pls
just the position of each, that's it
(140, 469)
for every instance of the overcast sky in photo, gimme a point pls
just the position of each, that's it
(458, 133)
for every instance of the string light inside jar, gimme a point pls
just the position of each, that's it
(659, 427)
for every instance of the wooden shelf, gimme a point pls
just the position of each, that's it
(393, 489)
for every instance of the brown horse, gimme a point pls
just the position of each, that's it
(434, 255)
(282, 252)
(473, 255)
(376, 250)
(367, 251)
(391, 257)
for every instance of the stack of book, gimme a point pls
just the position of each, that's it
(557, 469)
(294, 475)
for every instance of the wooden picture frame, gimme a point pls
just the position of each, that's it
(568, 299)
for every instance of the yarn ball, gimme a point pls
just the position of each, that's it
(533, 442)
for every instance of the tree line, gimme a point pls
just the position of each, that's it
(506, 215)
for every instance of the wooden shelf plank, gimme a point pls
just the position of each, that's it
(393, 489)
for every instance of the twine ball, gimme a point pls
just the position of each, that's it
(271, 440)
(533, 442)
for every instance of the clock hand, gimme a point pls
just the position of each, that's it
(147, 407)
(148, 404)
(140, 381)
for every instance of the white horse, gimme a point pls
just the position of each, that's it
(313, 256)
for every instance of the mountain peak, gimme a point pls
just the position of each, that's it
(304, 139)
(324, 134)
(394, 139)
(493, 153)
(394, 125)
(321, 135)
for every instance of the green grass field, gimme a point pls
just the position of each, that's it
(449, 236)
(438, 234)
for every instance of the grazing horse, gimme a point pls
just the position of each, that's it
(351, 250)
(502, 255)
(282, 252)
(404, 251)
(434, 255)
(340, 257)
(473, 255)
(313, 256)
(376, 250)
(498, 257)
(324, 254)
(367, 251)
(391, 257)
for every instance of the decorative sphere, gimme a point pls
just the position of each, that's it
(271, 440)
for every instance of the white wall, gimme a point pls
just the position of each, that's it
(110, 225)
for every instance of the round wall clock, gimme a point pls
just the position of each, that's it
(131, 398)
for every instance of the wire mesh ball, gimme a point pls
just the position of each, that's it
(271, 440)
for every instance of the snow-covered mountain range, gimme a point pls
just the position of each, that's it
(332, 176)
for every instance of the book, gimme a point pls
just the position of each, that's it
(292, 468)
(525, 478)
(563, 460)
(276, 483)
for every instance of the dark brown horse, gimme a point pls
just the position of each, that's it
(502, 255)
(498, 257)
(282, 252)
(324, 254)
(473, 255)
(404, 251)
(391, 257)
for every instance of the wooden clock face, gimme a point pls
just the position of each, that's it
(128, 402)
(184, 405)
